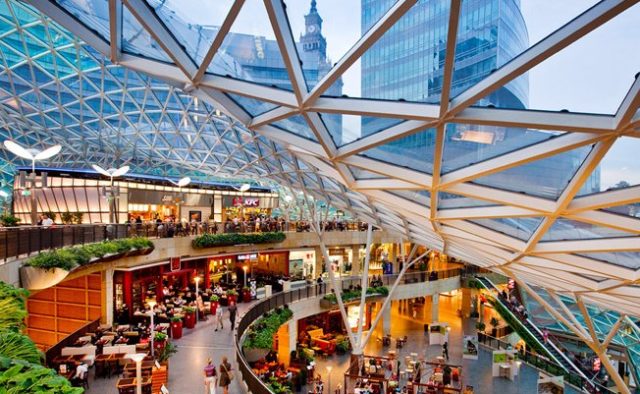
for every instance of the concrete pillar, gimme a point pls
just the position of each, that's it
(107, 299)
(355, 260)
(319, 259)
(435, 307)
(293, 337)
(466, 302)
(386, 320)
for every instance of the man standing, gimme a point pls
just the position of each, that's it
(233, 309)
(47, 221)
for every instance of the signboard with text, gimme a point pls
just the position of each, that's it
(176, 263)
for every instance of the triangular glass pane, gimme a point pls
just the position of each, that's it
(296, 125)
(93, 14)
(619, 168)
(413, 151)
(250, 51)
(325, 34)
(194, 23)
(422, 197)
(137, 40)
(361, 174)
(546, 178)
(345, 129)
(566, 230)
(521, 228)
(623, 259)
(252, 106)
(466, 144)
(450, 200)
(585, 88)
(406, 63)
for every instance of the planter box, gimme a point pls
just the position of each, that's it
(176, 329)
(190, 319)
(214, 308)
(253, 355)
(33, 278)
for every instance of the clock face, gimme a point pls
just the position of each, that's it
(311, 28)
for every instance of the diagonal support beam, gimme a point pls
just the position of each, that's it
(449, 61)
(115, 29)
(629, 105)
(364, 284)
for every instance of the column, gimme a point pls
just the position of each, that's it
(293, 336)
(127, 286)
(355, 260)
(107, 299)
(319, 262)
(435, 307)
(466, 302)
(386, 320)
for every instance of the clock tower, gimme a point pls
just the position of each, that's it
(312, 40)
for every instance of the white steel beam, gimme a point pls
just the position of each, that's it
(617, 197)
(250, 89)
(503, 197)
(553, 43)
(588, 246)
(376, 108)
(390, 170)
(115, 29)
(629, 105)
(484, 212)
(272, 116)
(383, 184)
(601, 218)
(450, 55)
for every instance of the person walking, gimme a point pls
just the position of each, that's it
(445, 351)
(233, 309)
(209, 378)
(225, 375)
(219, 314)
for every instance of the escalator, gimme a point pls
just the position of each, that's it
(531, 334)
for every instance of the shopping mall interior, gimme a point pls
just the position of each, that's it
(319, 196)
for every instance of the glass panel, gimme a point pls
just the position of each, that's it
(624, 259)
(327, 29)
(194, 23)
(470, 144)
(422, 197)
(94, 14)
(361, 174)
(406, 62)
(413, 151)
(585, 87)
(619, 168)
(521, 228)
(296, 125)
(137, 40)
(546, 178)
(565, 229)
(450, 200)
(345, 129)
(250, 51)
(252, 106)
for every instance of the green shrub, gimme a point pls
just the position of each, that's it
(349, 295)
(260, 335)
(160, 336)
(169, 350)
(214, 298)
(9, 220)
(212, 240)
(70, 258)
(19, 376)
(66, 217)
(15, 345)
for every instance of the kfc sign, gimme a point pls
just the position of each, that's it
(246, 202)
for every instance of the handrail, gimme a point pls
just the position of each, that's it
(257, 386)
(55, 350)
(23, 241)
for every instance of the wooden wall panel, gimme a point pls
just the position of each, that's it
(58, 311)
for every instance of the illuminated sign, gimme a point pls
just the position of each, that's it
(176, 263)
(252, 256)
(246, 202)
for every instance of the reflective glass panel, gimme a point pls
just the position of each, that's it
(469, 144)
(348, 128)
(93, 13)
(252, 106)
(624, 259)
(619, 168)
(521, 228)
(296, 125)
(137, 40)
(565, 229)
(546, 178)
(450, 200)
(414, 151)
(359, 173)
(194, 23)
(422, 197)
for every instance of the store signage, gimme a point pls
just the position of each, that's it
(336, 252)
(246, 202)
(512, 284)
(597, 364)
(167, 198)
(176, 263)
(251, 256)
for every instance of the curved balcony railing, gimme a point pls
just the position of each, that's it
(257, 386)
(22, 241)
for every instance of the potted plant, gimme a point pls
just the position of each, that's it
(189, 316)
(232, 295)
(215, 303)
(480, 326)
(163, 357)
(423, 271)
(77, 217)
(246, 294)
(66, 217)
(342, 346)
(159, 341)
(494, 324)
(176, 327)
(9, 220)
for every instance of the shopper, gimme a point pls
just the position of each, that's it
(225, 375)
(219, 314)
(209, 377)
(545, 335)
(445, 351)
(233, 309)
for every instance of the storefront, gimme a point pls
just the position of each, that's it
(248, 205)
(341, 259)
(302, 264)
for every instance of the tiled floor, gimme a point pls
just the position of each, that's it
(185, 372)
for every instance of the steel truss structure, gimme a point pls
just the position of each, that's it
(485, 230)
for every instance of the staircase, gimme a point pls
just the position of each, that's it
(531, 334)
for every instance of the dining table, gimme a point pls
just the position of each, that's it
(132, 382)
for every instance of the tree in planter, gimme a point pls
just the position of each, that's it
(480, 326)
(176, 327)
(66, 217)
(494, 323)
(9, 220)
(77, 217)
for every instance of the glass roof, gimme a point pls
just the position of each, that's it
(385, 100)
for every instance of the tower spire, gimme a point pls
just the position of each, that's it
(313, 7)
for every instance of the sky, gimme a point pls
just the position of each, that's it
(591, 75)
